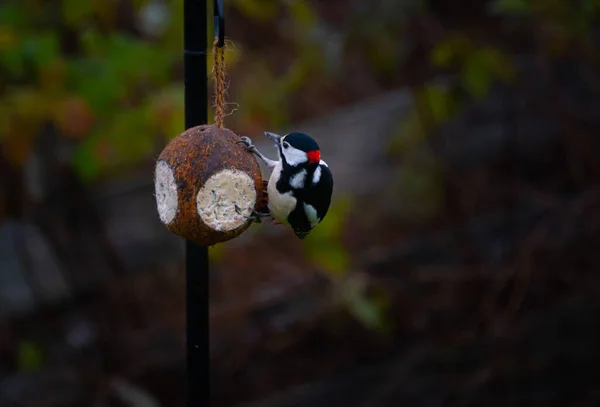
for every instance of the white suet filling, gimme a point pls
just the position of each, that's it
(165, 189)
(226, 200)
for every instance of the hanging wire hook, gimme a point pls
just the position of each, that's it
(219, 19)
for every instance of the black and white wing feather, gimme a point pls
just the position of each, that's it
(313, 200)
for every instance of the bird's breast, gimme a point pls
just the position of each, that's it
(280, 204)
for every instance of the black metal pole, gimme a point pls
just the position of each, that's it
(196, 113)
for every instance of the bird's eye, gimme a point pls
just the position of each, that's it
(286, 144)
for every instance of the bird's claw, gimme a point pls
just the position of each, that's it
(256, 217)
(247, 141)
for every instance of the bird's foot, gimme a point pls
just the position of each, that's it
(247, 142)
(256, 217)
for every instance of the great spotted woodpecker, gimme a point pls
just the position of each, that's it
(300, 186)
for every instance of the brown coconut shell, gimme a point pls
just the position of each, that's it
(197, 158)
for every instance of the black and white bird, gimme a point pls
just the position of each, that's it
(301, 184)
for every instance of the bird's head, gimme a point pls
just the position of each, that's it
(296, 149)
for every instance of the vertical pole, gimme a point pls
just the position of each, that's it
(196, 113)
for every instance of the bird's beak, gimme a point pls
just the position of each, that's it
(274, 137)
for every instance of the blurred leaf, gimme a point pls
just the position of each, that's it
(85, 161)
(100, 90)
(5, 118)
(131, 135)
(16, 146)
(172, 37)
(333, 258)
(323, 246)
(14, 16)
(511, 7)
(92, 42)
(409, 134)
(27, 103)
(52, 76)
(29, 357)
(74, 117)
(420, 189)
(444, 53)
(262, 10)
(383, 51)
(476, 77)
(268, 109)
(106, 11)
(8, 38)
(12, 60)
(367, 310)
(438, 101)
(590, 7)
(11, 56)
(498, 63)
(484, 66)
(41, 48)
(332, 226)
(296, 77)
(23, 110)
(74, 12)
(138, 4)
(166, 110)
(303, 14)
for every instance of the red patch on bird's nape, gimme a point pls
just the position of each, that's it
(314, 156)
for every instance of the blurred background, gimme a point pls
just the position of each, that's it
(458, 265)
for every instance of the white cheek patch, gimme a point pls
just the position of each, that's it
(293, 156)
(311, 215)
(298, 180)
(316, 176)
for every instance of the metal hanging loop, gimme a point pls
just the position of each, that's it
(219, 21)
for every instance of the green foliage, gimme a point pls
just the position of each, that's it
(29, 356)
(268, 110)
(482, 67)
(99, 94)
(325, 248)
(303, 14)
(262, 10)
(558, 24)
(84, 160)
(114, 94)
(420, 187)
(98, 86)
(323, 245)
(368, 308)
(437, 103)
(511, 7)
(479, 67)
(264, 98)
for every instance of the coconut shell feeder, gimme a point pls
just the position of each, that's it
(206, 184)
